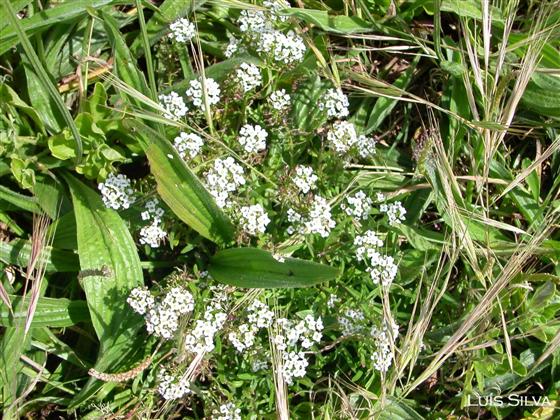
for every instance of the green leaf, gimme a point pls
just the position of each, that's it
(256, 268)
(50, 312)
(23, 202)
(184, 193)
(43, 20)
(18, 251)
(44, 78)
(110, 270)
(338, 24)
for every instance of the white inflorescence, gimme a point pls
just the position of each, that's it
(162, 317)
(153, 210)
(252, 138)
(254, 219)
(195, 92)
(232, 47)
(275, 6)
(223, 179)
(319, 219)
(249, 76)
(279, 100)
(201, 338)
(336, 103)
(333, 300)
(366, 146)
(342, 137)
(171, 387)
(188, 144)
(253, 21)
(382, 269)
(395, 212)
(174, 106)
(351, 321)
(283, 48)
(259, 317)
(116, 192)
(291, 337)
(227, 411)
(366, 245)
(182, 30)
(152, 234)
(384, 338)
(140, 300)
(359, 205)
(305, 179)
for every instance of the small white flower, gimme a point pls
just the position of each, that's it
(249, 76)
(282, 48)
(178, 300)
(174, 106)
(195, 92)
(253, 21)
(305, 179)
(382, 268)
(342, 137)
(141, 300)
(351, 321)
(395, 212)
(223, 179)
(227, 411)
(319, 219)
(153, 210)
(359, 205)
(232, 47)
(294, 365)
(254, 219)
(188, 144)
(336, 103)
(252, 138)
(152, 234)
(333, 300)
(116, 192)
(162, 322)
(279, 100)
(171, 387)
(275, 6)
(366, 146)
(182, 30)
(367, 245)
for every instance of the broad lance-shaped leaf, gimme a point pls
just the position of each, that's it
(256, 268)
(110, 269)
(183, 192)
(50, 312)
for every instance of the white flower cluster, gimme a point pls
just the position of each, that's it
(359, 205)
(223, 179)
(182, 30)
(384, 338)
(366, 245)
(333, 300)
(201, 338)
(292, 335)
(336, 103)
(152, 234)
(171, 387)
(305, 179)
(140, 300)
(188, 144)
(174, 106)
(318, 220)
(252, 138)
(382, 269)
(259, 317)
(343, 139)
(116, 192)
(283, 48)
(279, 100)
(227, 411)
(275, 6)
(254, 219)
(162, 316)
(352, 321)
(259, 364)
(253, 21)
(232, 47)
(195, 92)
(395, 212)
(249, 76)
